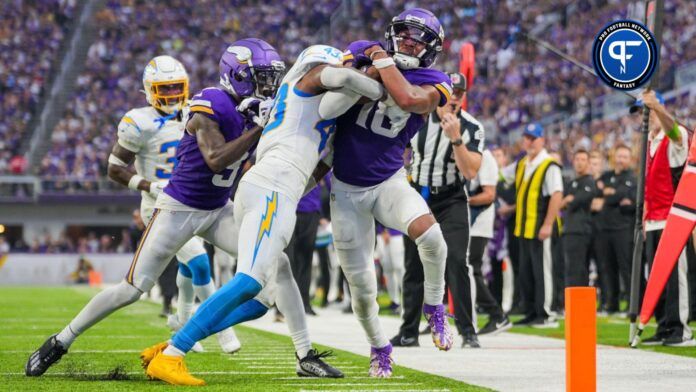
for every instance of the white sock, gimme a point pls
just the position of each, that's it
(204, 291)
(173, 351)
(185, 298)
(66, 337)
(302, 344)
(289, 302)
(432, 250)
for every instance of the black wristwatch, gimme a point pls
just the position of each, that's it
(457, 142)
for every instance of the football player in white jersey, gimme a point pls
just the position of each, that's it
(148, 137)
(264, 210)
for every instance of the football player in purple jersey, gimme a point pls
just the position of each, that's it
(223, 128)
(370, 179)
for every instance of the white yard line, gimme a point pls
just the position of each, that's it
(507, 362)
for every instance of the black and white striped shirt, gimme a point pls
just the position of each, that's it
(433, 162)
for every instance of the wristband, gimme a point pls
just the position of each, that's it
(383, 63)
(673, 133)
(134, 182)
(457, 142)
(375, 52)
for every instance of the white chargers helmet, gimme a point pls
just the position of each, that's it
(166, 84)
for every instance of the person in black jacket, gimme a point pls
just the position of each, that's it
(577, 227)
(619, 191)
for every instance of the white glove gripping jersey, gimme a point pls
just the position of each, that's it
(293, 139)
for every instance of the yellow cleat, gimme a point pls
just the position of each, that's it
(147, 355)
(172, 370)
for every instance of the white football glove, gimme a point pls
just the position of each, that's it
(256, 110)
(156, 188)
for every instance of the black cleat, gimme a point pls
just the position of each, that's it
(313, 366)
(403, 341)
(494, 327)
(49, 353)
(470, 340)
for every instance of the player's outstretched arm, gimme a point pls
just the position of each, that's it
(119, 172)
(409, 97)
(218, 154)
(327, 77)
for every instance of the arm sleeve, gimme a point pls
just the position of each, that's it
(508, 173)
(474, 135)
(359, 83)
(677, 152)
(203, 104)
(335, 103)
(488, 173)
(129, 134)
(553, 181)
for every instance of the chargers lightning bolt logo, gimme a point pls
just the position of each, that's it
(266, 221)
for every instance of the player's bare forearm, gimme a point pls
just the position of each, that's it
(120, 172)
(468, 162)
(320, 171)
(486, 197)
(554, 208)
(216, 153)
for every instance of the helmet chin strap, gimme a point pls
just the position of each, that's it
(404, 61)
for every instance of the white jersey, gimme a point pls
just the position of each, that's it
(292, 141)
(154, 139)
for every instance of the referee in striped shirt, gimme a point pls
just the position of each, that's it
(446, 152)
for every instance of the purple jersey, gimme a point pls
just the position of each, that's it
(193, 183)
(366, 151)
(311, 202)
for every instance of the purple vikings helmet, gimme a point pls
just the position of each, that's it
(419, 25)
(251, 67)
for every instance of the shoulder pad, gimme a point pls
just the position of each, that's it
(320, 54)
(433, 77)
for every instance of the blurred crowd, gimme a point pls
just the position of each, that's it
(31, 34)
(512, 84)
(128, 38)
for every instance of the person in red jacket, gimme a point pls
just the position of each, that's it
(668, 148)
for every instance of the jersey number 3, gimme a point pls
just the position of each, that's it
(226, 178)
(168, 148)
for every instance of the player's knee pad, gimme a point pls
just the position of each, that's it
(431, 245)
(200, 269)
(185, 271)
(125, 294)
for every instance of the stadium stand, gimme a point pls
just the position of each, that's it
(30, 37)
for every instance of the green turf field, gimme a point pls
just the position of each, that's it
(106, 357)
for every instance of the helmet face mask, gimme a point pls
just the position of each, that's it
(414, 39)
(169, 96)
(251, 67)
(166, 84)
(267, 79)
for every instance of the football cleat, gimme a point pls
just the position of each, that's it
(470, 340)
(147, 355)
(381, 362)
(312, 365)
(172, 370)
(439, 327)
(228, 341)
(494, 327)
(40, 360)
